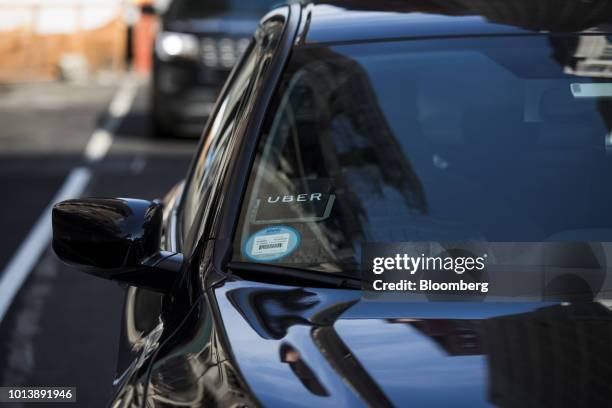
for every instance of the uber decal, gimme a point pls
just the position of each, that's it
(271, 243)
(301, 201)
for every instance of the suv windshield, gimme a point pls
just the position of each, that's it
(488, 139)
(186, 9)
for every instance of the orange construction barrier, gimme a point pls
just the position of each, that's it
(143, 38)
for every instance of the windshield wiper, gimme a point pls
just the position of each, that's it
(292, 276)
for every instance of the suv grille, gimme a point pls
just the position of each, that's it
(222, 52)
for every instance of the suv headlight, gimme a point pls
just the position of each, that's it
(171, 45)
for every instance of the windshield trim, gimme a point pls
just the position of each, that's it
(450, 36)
(282, 274)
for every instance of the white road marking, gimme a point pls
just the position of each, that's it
(39, 237)
(138, 164)
(98, 145)
(36, 242)
(102, 138)
(28, 322)
(122, 101)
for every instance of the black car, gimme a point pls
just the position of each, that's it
(353, 122)
(198, 43)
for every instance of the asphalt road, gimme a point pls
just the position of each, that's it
(62, 328)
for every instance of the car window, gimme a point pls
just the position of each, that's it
(490, 139)
(212, 160)
(215, 142)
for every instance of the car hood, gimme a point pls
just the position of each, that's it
(220, 24)
(329, 347)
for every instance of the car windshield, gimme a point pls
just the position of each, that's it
(488, 139)
(186, 9)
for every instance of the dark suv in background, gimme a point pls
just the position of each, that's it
(196, 47)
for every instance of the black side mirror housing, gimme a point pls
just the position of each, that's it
(117, 239)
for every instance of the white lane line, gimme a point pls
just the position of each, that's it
(138, 164)
(102, 138)
(37, 240)
(98, 145)
(122, 101)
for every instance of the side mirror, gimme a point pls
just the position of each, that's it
(115, 238)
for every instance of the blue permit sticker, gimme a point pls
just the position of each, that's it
(271, 243)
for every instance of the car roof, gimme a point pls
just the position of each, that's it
(365, 20)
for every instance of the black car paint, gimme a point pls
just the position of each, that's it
(444, 354)
(223, 338)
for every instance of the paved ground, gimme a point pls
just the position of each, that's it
(63, 327)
